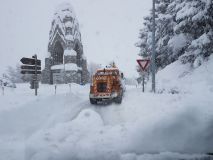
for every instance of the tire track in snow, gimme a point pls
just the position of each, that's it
(111, 113)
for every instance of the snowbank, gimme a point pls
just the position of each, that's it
(186, 79)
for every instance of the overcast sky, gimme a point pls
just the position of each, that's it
(109, 29)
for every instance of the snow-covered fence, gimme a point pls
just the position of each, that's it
(62, 88)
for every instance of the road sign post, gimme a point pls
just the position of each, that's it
(153, 65)
(32, 66)
(143, 77)
(143, 63)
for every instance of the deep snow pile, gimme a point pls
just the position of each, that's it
(187, 79)
(145, 126)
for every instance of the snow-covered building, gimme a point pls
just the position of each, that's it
(65, 62)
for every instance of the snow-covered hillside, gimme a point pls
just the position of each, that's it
(145, 126)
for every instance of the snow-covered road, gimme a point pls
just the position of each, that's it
(67, 126)
(151, 126)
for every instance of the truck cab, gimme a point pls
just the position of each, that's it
(107, 85)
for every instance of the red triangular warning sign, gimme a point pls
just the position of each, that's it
(143, 63)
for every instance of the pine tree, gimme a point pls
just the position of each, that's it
(164, 32)
(14, 74)
(145, 37)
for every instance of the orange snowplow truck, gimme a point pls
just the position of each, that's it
(107, 85)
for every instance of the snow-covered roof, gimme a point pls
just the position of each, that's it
(72, 66)
(53, 37)
(108, 69)
(71, 52)
(67, 67)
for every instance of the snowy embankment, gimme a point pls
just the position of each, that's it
(145, 126)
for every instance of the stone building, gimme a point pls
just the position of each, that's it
(65, 62)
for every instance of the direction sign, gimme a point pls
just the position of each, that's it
(143, 63)
(30, 67)
(30, 61)
(30, 72)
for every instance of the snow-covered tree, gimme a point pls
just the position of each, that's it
(195, 20)
(14, 74)
(164, 32)
(183, 30)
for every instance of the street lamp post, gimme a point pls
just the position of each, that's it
(153, 47)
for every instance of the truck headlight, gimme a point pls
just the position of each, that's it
(114, 94)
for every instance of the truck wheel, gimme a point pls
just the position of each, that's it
(118, 99)
(93, 101)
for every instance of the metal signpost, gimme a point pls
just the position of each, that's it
(143, 63)
(32, 66)
(153, 47)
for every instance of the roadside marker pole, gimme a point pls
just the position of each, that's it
(55, 88)
(3, 90)
(35, 82)
(70, 87)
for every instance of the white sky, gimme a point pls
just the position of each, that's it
(109, 29)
